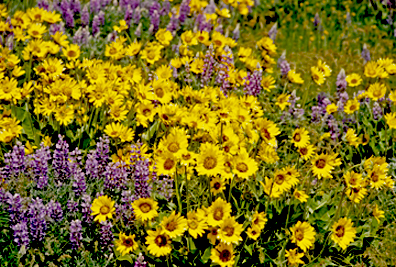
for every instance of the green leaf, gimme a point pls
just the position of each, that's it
(206, 255)
(126, 257)
(249, 249)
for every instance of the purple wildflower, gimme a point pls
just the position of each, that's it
(116, 175)
(38, 165)
(95, 6)
(79, 184)
(14, 207)
(316, 21)
(43, 4)
(173, 24)
(165, 8)
(57, 27)
(343, 98)
(54, 210)
(96, 26)
(36, 214)
(140, 261)
(60, 162)
(284, 67)
(86, 208)
(333, 128)
(207, 69)
(155, 21)
(75, 234)
(273, 31)
(69, 18)
(184, 11)
(106, 239)
(377, 111)
(98, 159)
(85, 16)
(236, 33)
(341, 82)
(365, 53)
(21, 234)
(14, 160)
(223, 69)
(72, 207)
(253, 86)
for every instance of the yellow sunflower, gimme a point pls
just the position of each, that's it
(300, 195)
(294, 77)
(307, 152)
(210, 161)
(244, 166)
(303, 234)
(196, 224)
(253, 232)
(351, 106)
(126, 244)
(166, 163)
(321, 166)
(353, 80)
(317, 75)
(145, 209)
(158, 244)
(293, 257)
(223, 255)
(282, 101)
(259, 220)
(356, 194)
(230, 231)
(353, 179)
(268, 130)
(218, 212)
(376, 91)
(391, 120)
(300, 137)
(343, 232)
(103, 208)
(377, 213)
(217, 185)
(174, 225)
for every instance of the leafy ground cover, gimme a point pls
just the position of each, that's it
(197, 133)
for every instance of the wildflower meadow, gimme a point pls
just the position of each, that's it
(197, 133)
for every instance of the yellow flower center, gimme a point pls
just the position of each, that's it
(104, 210)
(340, 231)
(159, 92)
(210, 163)
(145, 207)
(192, 224)
(280, 178)
(304, 151)
(173, 147)
(171, 226)
(225, 255)
(242, 167)
(128, 242)
(299, 235)
(320, 163)
(72, 53)
(218, 214)
(112, 51)
(217, 186)
(169, 163)
(297, 137)
(161, 241)
(229, 230)
(51, 69)
(146, 112)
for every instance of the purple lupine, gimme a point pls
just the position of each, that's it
(54, 210)
(106, 236)
(81, 36)
(14, 207)
(60, 162)
(207, 69)
(165, 188)
(366, 54)
(155, 7)
(294, 109)
(210, 8)
(57, 27)
(253, 86)
(343, 98)
(75, 234)
(86, 208)
(101, 17)
(316, 21)
(63, 7)
(273, 31)
(38, 165)
(21, 234)
(43, 4)
(85, 16)
(284, 67)
(377, 111)
(333, 128)
(137, 15)
(142, 176)
(128, 15)
(125, 208)
(96, 26)
(236, 33)
(389, 19)
(98, 159)
(341, 82)
(36, 217)
(95, 6)
(79, 184)
(15, 163)
(223, 69)
(116, 175)
(173, 24)
(165, 8)
(72, 207)
(69, 18)
(140, 261)
(154, 22)
(75, 5)
(184, 11)
(316, 114)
